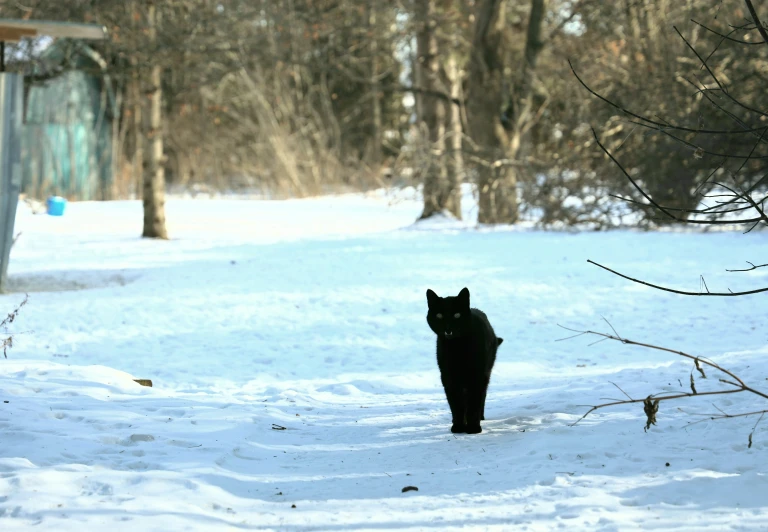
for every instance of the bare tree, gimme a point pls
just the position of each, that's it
(485, 99)
(733, 190)
(439, 193)
(154, 180)
(500, 106)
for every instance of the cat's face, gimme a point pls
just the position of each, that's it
(449, 317)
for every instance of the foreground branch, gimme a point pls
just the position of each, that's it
(749, 269)
(757, 21)
(682, 292)
(668, 212)
(655, 124)
(651, 402)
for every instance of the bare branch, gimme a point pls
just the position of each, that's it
(662, 398)
(753, 430)
(714, 77)
(668, 211)
(681, 292)
(660, 125)
(756, 19)
(749, 269)
(728, 37)
(622, 391)
(651, 402)
(723, 415)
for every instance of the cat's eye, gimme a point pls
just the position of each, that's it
(457, 315)
(439, 316)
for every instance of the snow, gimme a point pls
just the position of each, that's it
(293, 366)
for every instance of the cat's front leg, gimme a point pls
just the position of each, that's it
(456, 403)
(475, 407)
(458, 410)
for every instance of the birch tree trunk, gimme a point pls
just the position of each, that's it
(154, 178)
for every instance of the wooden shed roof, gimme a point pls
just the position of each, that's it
(13, 30)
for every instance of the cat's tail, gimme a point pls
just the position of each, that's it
(499, 340)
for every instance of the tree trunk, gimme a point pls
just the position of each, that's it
(118, 142)
(374, 156)
(496, 182)
(453, 142)
(154, 179)
(497, 178)
(137, 164)
(438, 192)
(183, 168)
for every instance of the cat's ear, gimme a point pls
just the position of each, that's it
(464, 296)
(432, 298)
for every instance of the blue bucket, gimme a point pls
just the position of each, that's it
(56, 205)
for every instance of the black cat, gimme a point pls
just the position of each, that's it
(466, 351)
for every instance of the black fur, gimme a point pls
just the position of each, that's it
(466, 352)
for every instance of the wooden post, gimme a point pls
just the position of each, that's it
(11, 88)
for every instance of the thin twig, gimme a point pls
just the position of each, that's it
(728, 37)
(749, 269)
(714, 77)
(753, 430)
(634, 184)
(712, 417)
(622, 391)
(611, 326)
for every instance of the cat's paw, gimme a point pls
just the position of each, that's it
(474, 429)
(458, 429)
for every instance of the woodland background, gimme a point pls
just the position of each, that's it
(305, 97)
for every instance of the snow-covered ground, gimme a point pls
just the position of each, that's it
(295, 383)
